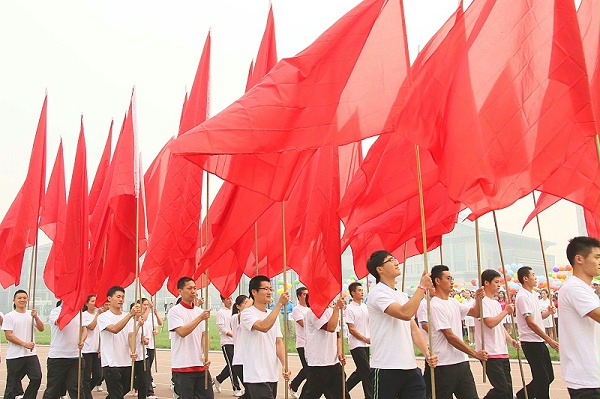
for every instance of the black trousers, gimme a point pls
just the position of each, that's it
(149, 362)
(62, 373)
(398, 383)
(498, 373)
(239, 371)
(326, 380)
(261, 390)
(228, 371)
(140, 378)
(16, 369)
(191, 385)
(118, 381)
(584, 393)
(301, 376)
(455, 379)
(538, 357)
(92, 373)
(362, 373)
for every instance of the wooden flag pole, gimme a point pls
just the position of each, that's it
(153, 327)
(343, 352)
(537, 219)
(425, 264)
(404, 268)
(285, 312)
(33, 279)
(477, 244)
(512, 318)
(79, 358)
(137, 280)
(206, 332)
(441, 252)
(256, 246)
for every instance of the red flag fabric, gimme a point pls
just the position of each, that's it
(174, 238)
(73, 278)
(308, 101)
(55, 201)
(249, 79)
(18, 229)
(591, 223)
(267, 52)
(101, 172)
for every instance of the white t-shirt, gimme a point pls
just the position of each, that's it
(238, 340)
(20, 325)
(92, 342)
(298, 313)
(579, 334)
(447, 314)
(321, 346)
(527, 303)
(391, 338)
(224, 325)
(422, 318)
(357, 314)
(495, 338)
(63, 343)
(114, 348)
(260, 357)
(140, 349)
(544, 303)
(188, 351)
(469, 320)
(149, 325)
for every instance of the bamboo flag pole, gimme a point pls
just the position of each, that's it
(343, 352)
(285, 312)
(477, 244)
(537, 219)
(137, 279)
(512, 318)
(153, 327)
(425, 264)
(32, 281)
(441, 252)
(79, 358)
(206, 332)
(404, 268)
(256, 246)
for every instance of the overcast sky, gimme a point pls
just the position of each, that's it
(89, 54)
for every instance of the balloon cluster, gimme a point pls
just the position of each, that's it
(281, 290)
(556, 277)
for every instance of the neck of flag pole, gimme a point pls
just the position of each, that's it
(33, 279)
(403, 268)
(482, 325)
(206, 336)
(285, 312)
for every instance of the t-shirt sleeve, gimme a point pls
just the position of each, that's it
(54, 313)
(103, 321)
(278, 333)
(349, 315)
(585, 300)
(523, 305)
(439, 317)
(464, 309)
(321, 321)
(247, 319)
(175, 319)
(422, 314)
(488, 310)
(9, 323)
(382, 301)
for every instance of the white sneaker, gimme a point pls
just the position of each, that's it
(151, 397)
(99, 388)
(153, 384)
(238, 393)
(217, 385)
(293, 393)
(19, 397)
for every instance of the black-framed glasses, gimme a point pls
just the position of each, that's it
(391, 259)
(266, 289)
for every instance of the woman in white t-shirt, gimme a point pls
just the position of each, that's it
(544, 303)
(469, 320)
(241, 302)
(92, 373)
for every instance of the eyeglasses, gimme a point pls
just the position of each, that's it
(392, 259)
(266, 289)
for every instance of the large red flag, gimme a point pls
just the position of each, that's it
(267, 53)
(18, 229)
(174, 238)
(56, 197)
(101, 172)
(350, 76)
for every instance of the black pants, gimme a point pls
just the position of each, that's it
(118, 381)
(16, 369)
(455, 379)
(149, 362)
(392, 384)
(92, 373)
(584, 393)
(191, 385)
(301, 376)
(239, 371)
(140, 378)
(362, 373)
(322, 380)
(498, 373)
(62, 373)
(261, 390)
(538, 357)
(228, 371)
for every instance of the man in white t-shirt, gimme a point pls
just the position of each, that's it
(298, 314)
(152, 321)
(226, 338)
(115, 353)
(393, 331)
(533, 336)
(189, 364)
(262, 339)
(579, 318)
(495, 337)
(21, 357)
(357, 319)
(453, 374)
(63, 357)
(324, 354)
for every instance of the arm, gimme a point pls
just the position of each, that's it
(39, 324)
(300, 323)
(131, 338)
(10, 337)
(516, 344)
(159, 320)
(333, 322)
(94, 322)
(419, 340)
(116, 328)
(424, 326)
(221, 325)
(491, 322)
(475, 310)
(82, 338)
(280, 350)
(594, 315)
(539, 331)
(187, 329)
(340, 350)
(408, 310)
(550, 311)
(266, 324)
(461, 346)
(352, 330)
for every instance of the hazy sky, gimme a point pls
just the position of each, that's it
(89, 55)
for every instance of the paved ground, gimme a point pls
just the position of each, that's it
(162, 378)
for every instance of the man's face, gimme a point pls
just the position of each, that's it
(467, 294)
(264, 294)
(116, 300)
(20, 300)
(591, 263)
(358, 294)
(188, 292)
(227, 302)
(389, 268)
(495, 285)
(302, 297)
(445, 282)
(145, 305)
(530, 280)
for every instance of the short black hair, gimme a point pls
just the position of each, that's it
(17, 292)
(375, 260)
(238, 302)
(489, 275)
(299, 291)
(255, 283)
(307, 303)
(523, 272)
(182, 281)
(581, 245)
(114, 289)
(353, 286)
(437, 271)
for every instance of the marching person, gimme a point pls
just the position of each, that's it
(533, 337)
(357, 319)
(298, 314)
(226, 339)
(393, 332)
(186, 324)
(92, 372)
(152, 321)
(241, 302)
(137, 347)
(21, 357)
(263, 344)
(579, 318)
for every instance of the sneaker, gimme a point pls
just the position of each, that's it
(293, 393)
(19, 397)
(238, 393)
(99, 388)
(217, 385)
(153, 384)
(151, 396)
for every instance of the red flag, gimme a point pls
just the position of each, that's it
(56, 197)
(73, 278)
(591, 223)
(18, 229)
(174, 238)
(101, 172)
(249, 80)
(267, 53)
(308, 101)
